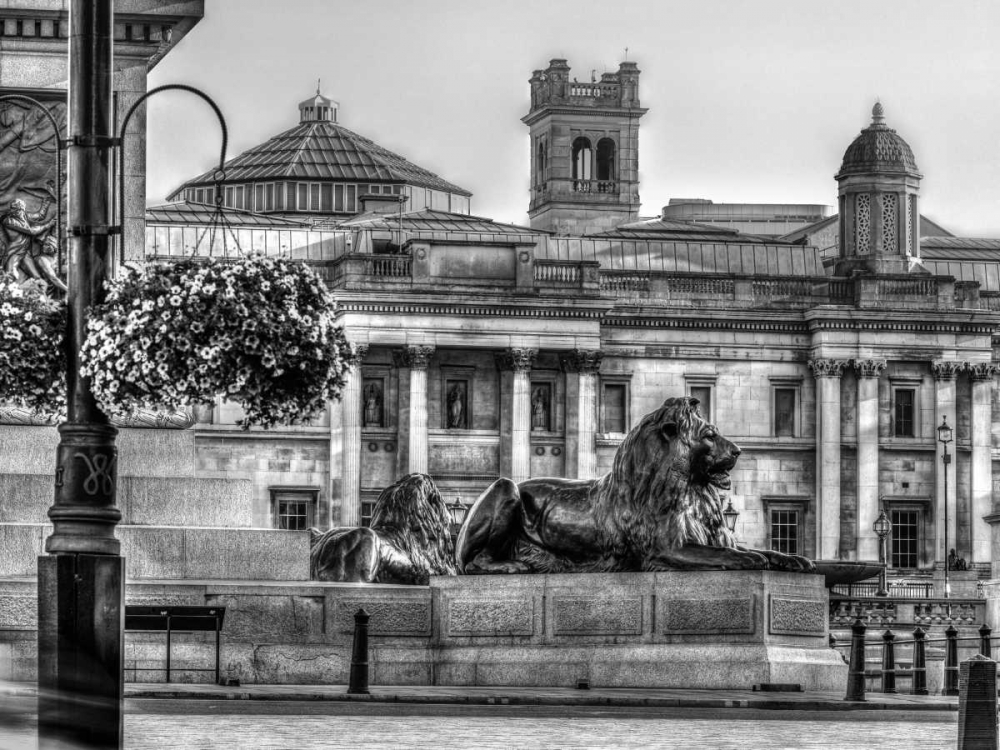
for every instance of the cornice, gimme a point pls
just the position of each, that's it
(493, 311)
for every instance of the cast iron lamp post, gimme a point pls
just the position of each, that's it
(882, 527)
(944, 437)
(729, 515)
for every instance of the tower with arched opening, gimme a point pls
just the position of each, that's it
(584, 147)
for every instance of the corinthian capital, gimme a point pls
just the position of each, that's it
(586, 361)
(358, 352)
(946, 370)
(414, 357)
(827, 368)
(983, 370)
(516, 359)
(869, 368)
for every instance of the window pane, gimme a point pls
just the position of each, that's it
(230, 196)
(303, 196)
(314, 196)
(339, 205)
(784, 412)
(785, 531)
(327, 198)
(905, 538)
(351, 202)
(258, 198)
(292, 191)
(294, 510)
(279, 196)
(613, 417)
(704, 395)
(269, 197)
(903, 421)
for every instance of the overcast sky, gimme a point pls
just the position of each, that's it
(750, 101)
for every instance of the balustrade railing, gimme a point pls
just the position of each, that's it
(595, 186)
(689, 286)
(623, 283)
(897, 590)
(781, 287)
(390, 266)
(889, 288)
(558, 272)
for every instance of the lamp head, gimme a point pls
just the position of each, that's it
(730, 514)
(944, 432)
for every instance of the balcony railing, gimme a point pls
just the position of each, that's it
(595, 186)
(556, 272)
(393, 266)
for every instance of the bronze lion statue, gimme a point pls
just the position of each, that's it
(408, 541)
(659, 508)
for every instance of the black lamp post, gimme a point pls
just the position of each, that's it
(944, 437)
(729, 515)
(882, 527)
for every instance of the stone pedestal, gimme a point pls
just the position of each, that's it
(717, 629)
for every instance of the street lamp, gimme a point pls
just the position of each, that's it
(458, 510)
(882, 527)
(944, 437)
(730, 514)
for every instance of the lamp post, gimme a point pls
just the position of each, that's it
(944, 437)
(729, 515)
(882, 527)
(458, 510)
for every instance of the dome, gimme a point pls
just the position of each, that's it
(878, 149)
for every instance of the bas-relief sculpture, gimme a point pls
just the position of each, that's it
(659, 508)
(408, 541)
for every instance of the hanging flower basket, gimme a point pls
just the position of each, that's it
(32, 357)
(257, 330)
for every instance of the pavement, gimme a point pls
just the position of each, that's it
(533, 696)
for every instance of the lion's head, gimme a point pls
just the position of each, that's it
(671, 467)
(412, 515)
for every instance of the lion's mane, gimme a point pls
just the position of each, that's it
(654, 493)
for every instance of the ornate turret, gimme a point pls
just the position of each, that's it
(584, 149)
(318, 108)
(878, 185)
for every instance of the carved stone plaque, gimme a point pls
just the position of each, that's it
(585, 615)
(709, 616)
(797, 616)
(491, 617)
(387, 616)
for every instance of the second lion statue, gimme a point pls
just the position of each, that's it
(659, 508)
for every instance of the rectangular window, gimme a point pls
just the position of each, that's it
(704, 395)
(326, 203)
(269, 197)
(292, 204)
(339, 194)
(240, 199)
(351, 201)
(314, 196)
(258, 198)
(367, 508)
(614, 414)
(784, 412)
(905, 537)
(303, 196)
(785, 531)
(294, 509)
(903, 411)
(279, 196)
(230, 196)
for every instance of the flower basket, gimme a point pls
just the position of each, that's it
(259, 331)
(32, 357)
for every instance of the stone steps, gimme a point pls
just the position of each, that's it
(176, 552)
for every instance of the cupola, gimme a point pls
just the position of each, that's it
(318, 109)
(878, 183)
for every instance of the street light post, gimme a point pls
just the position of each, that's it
(882, 527)
(944, 437)
(81, 580)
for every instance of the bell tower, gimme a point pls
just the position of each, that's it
(584, 149)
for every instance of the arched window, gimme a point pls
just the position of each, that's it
(606, 160)
(582, 157)
(541, 162)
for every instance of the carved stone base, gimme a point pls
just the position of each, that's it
(706, 629)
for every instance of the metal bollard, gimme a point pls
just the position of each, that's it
(359, 655)
(856, 670)
(977, 704)
(951, 662)
(888, 663)
(919, 667)
(984, 640)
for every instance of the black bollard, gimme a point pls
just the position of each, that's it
(856, 670)
(951, 662)
(359, 655)
(977, 704)
(919, 667)
(984, 641)
(888, 663)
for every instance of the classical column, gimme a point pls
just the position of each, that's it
(945, 374)
(827, 373)
(868, 371)
(581, 367)
(982, 465)
(350, 413)
(519, 362)
(416, 358)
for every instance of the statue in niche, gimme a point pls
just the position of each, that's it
(539, 409)
(955, 562)
(659, 508)
(373, 406)
(29, 249)
(456, 406)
